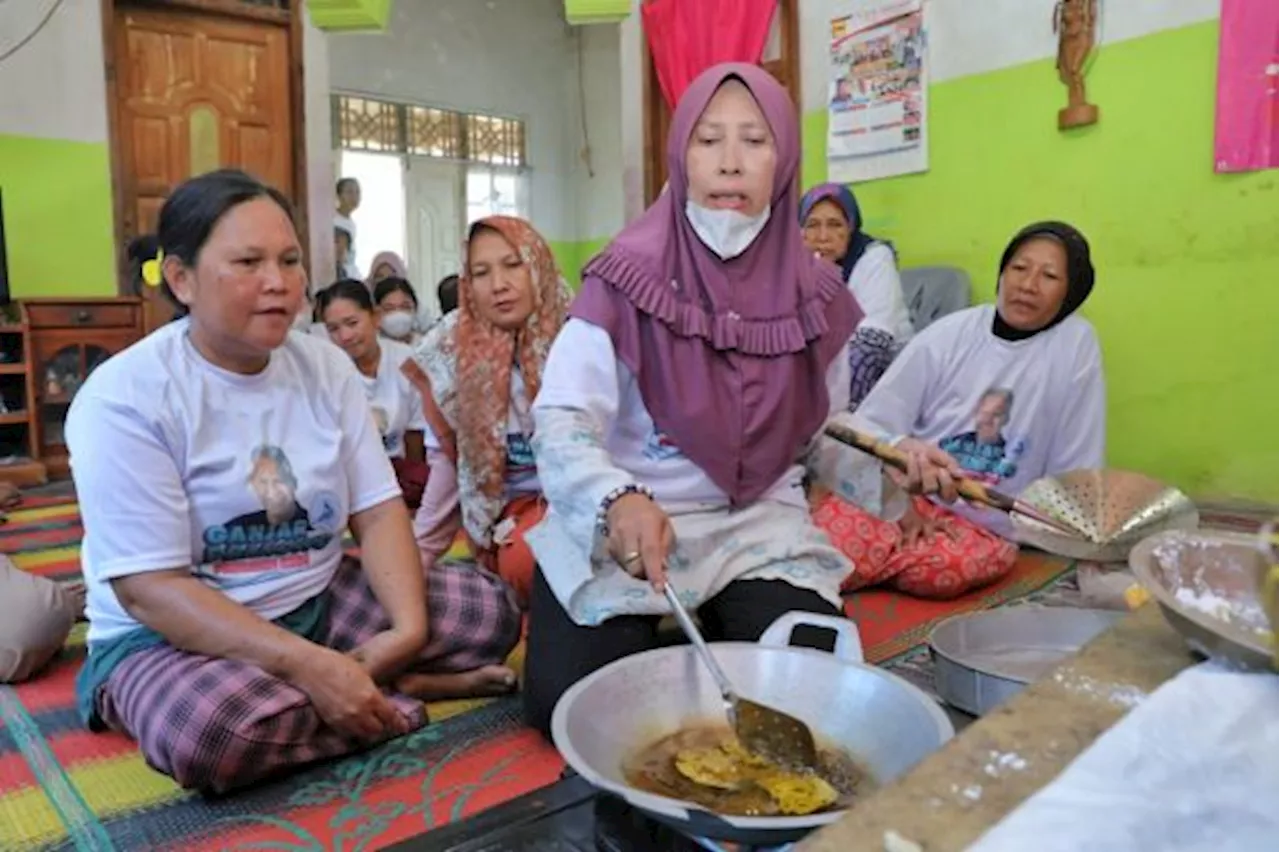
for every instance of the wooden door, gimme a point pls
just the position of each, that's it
(196, 92)
(781, 59)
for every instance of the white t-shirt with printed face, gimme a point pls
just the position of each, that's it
(522, 471)
(246, 481)
(1009, 412)
(396, 403)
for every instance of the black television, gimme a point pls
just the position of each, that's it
(4, 258)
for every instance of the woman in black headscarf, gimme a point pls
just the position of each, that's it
(1013, 391)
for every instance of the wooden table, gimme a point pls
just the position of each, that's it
(956, 794)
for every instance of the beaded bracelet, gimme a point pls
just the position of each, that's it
(602, 516)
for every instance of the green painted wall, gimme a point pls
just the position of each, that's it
(58, 220)
(1186, 300)
(58, 217)
(572, 256)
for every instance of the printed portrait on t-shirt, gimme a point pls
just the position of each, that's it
(278, 536)
(520, 460)
(383, 422)
(987, 452)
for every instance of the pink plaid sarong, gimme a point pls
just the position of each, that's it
(216, 724)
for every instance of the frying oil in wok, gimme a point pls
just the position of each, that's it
(653, 769)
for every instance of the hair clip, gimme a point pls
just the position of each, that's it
(152, 274)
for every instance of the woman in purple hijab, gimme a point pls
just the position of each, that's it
(682, 402)
(832, 224)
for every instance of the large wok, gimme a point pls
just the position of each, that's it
(883, 721)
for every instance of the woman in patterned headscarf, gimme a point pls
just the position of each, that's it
(479, 370)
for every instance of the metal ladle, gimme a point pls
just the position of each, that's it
(765, 731)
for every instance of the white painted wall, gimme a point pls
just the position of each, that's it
(596, 90)
(54, 86)
(319, 150)
(508, 57)
(631, 117)
(975, 36)
(965, 37)
(517, 58)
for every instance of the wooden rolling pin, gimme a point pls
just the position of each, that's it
(969, 489)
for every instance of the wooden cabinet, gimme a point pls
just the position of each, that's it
(19, 432)
(70, 338)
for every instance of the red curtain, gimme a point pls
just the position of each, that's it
(686, 37)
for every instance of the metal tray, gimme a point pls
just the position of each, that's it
(982, 659)
(1207, 585)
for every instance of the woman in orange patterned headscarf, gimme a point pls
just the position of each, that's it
(479, 370)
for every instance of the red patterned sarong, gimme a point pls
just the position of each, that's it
(957, 558)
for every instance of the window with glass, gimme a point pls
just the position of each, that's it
(493, 192)
(426, 173)
(370, 124)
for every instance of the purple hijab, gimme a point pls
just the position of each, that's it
(730, 357)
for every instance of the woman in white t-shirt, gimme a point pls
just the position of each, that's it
(351, 319)
(478, 370)
(832, 225)
(218, 463)
(1012, 392)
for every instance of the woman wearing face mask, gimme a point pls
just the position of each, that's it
(397, 310)
(1012, 392)
(832, 225)
(478, 370)
(683, 399)
(351, 320)
(218, 462)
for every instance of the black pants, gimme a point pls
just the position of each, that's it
(560, 653)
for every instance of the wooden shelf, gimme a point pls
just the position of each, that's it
(27, 470)
(24, 473)
(61, 339)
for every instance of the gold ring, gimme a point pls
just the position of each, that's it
(633, 556)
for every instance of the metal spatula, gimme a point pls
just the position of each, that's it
(762, 730)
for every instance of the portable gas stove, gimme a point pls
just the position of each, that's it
(567, 816)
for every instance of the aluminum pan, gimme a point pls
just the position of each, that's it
(1225, 565)
(982, 659)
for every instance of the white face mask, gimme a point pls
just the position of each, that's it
(396, 323)
(728, 233)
